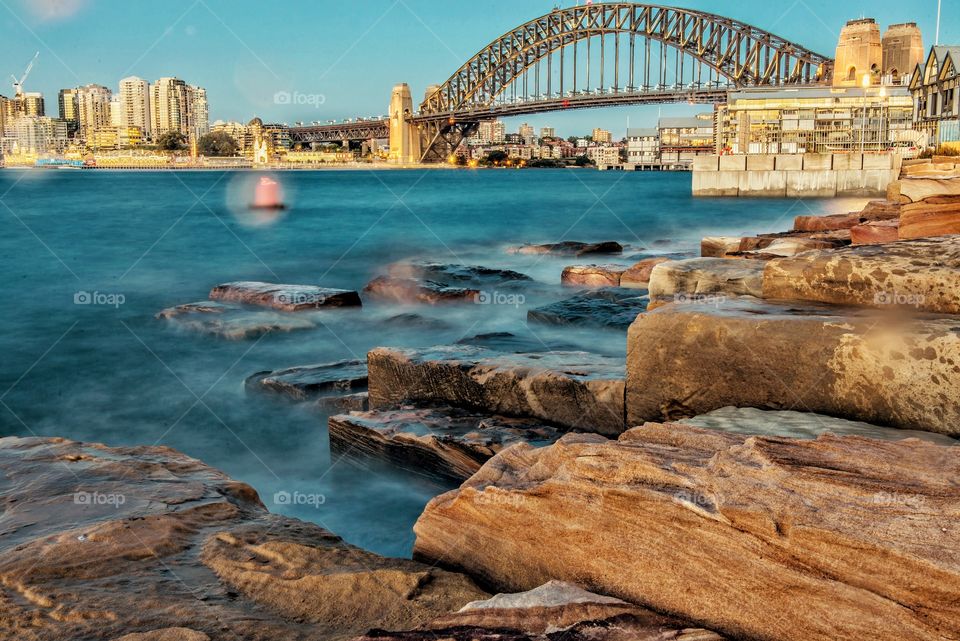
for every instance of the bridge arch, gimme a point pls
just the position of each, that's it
(744, 55)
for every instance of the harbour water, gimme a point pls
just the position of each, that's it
(89, 258)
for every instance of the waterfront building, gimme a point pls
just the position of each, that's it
(604, 155)
(602, 136)
(490, 132)
(548, 132)
(936, 98)
(816, 120)
(264, 142)
(683, 139)
(902, 52)
(177, 106)
(134, 108)
(30, 104)
(93, 109)
(101, 138)
(115, 115)
(6, 112)
(199, 112)
(528, 135)
(69, 110)
(643, 145)
(34, 136)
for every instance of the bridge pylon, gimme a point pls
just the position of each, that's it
(404, 134)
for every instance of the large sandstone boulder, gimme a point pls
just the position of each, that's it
(554, 611)
(764, 538)
(288, 298)
(638, 275)
(831, 222)
(687, 280)
(921, 274)
(446, 443)
(884, 369)
(914, 190)
(937, 216)
(101, 543)
(876, 232)
(446, 273)
(592, 275)
(576, 390)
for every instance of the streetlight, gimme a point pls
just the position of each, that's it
(863, 114)
(883, 100)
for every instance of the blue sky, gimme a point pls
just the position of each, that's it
(351, 52)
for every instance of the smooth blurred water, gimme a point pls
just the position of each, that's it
(118, 375)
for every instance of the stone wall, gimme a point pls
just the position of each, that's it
(795, 176)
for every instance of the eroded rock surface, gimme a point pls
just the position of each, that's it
(592, 275)
(448, 443)
(233, 322)
(755, 537)
(99, 543)
(921, 274)
(571, 389)
(603, 308)
(412, 291)
(876, 232)
(702, 276)
(311, 381)
(884, 369)
(638, 275)
(467, 275)
(288, 298)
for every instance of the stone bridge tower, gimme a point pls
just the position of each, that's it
(404, 135)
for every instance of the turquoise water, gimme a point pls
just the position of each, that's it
(113, 373)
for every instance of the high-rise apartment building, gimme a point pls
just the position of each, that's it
(93, 109)
(68, 108)
(527, 134)
(548, 132)
(134, 108)
(177, 106)
(200, 112)
(602, 136)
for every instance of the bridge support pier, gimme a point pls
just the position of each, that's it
(404, 135)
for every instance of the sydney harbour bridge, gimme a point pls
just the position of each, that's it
(596, 55)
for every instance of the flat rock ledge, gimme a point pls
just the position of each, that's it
(312, 381)
(576, 390)
(411, 291)
(555, 610)
(147, 544)
(569, 248)
(918, 274)
(446, 443)
(699, 279)
(231, 321)
(854, 363)
(765, 538)
(287, 298)
(449, 274)
(592, 275)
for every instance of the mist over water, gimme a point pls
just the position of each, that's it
(109, 372)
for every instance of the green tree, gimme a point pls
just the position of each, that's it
(495, 157)
(218, 143)
(582, 161)
(172, 141)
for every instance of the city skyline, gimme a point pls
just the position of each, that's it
(244, 59)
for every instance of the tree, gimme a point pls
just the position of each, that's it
(495, 157)
(172, 141)
(582, 161)
(218, 143)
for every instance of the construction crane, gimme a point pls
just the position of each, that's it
(18, 84)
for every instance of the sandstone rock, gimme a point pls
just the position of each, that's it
(570, 389)
(99, 543)
(884, 369)
(288, 298)
(592, 275)
(232, 322)
(555, 610)
(416, 321)
(881, 210)
(309, 381)
(924, 274)
(825, 223)
(448, 443)
(719, 246)
(510, 342)
(569, 248)
(698, 276)
(338, 404)
(638, 276)
(755, 537)
(877, 232)
(448, 274)
(411, 291)
(602, 308)
(912, 190)
(932, 217)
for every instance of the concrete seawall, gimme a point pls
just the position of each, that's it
(795, 176)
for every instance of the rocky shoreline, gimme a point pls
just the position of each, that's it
(775, 458)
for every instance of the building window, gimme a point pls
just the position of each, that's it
(852, 74)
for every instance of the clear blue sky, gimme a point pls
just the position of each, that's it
(349, 51)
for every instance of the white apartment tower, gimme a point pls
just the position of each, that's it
(135, 105)
(199, 112)
(93, 109)
(177, 106)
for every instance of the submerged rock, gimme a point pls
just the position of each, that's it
(232, 322)
(571, 389)
(555, 610)
(451, 273)
(755, 537)
(592, 275)
(510, 342)
(884, 369)
(288, 298)
(448, 443)
(570, 248)
(922, 275)
(604, 308)
(412, 291)
(103, 542)
(309, 381)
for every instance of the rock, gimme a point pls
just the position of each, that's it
(919, 274)
(448, 274)
(825, 223)
(696, 278)
(884, 369)
(913, 190)
(933, 217)
(762, 538)
(750, 420)
(876, 232)
(577, 390)
(592, 275)
(100, 543)
(411, 291)
(638, 275)
(602, 308)
(446, 443)
(417, 321)
(767, 247)
(569, 248)
(555, 610)
(288, 298)
(309, 381)
(510, 342)
(719, 246)
(880, 210)
(359, 402)
(232, 322)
